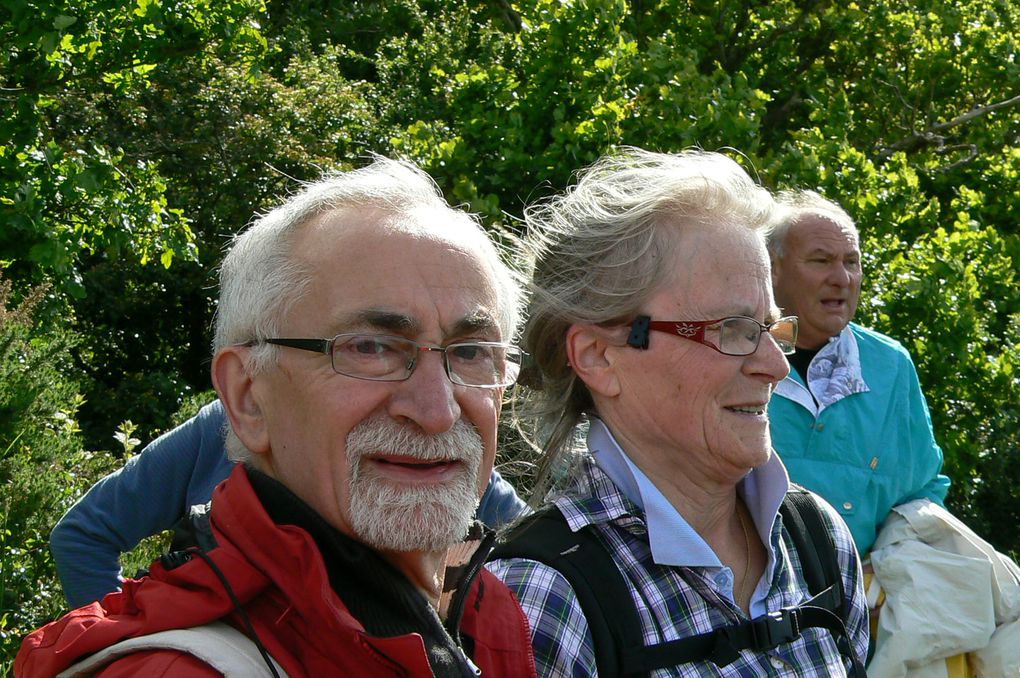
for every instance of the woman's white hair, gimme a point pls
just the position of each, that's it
(601, 250)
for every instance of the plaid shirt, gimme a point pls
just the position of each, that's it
(674, 602)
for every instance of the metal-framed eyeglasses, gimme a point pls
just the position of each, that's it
(380, 357)
(735, 335)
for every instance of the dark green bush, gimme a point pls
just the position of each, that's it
(43, 467)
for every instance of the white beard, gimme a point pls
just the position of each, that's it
(393, 518)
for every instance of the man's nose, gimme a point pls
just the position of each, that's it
(428, 397)
(839, 275)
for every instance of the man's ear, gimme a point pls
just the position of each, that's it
(235, 388)
(589, 352)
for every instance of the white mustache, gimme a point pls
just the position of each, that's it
(382, 435)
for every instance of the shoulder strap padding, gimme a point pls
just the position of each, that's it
(817, 553)
(595, 578)
(815, 549)
(219, 645)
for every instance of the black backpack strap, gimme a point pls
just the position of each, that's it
(597, 581)
(194, 529)
(722, 645)
(820, 567)
(814, 545)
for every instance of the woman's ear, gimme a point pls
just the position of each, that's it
(589, 352)
(234, 385)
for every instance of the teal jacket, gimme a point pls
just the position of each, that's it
(862, 438)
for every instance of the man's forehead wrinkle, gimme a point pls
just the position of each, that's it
(832, 250)
(475, 321)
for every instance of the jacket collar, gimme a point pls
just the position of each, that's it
(834, 374)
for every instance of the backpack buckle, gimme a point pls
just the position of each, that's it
(775, 628)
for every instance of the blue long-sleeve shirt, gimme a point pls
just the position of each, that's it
(155, 489)
(860, 434)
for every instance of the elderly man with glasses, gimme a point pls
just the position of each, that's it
(361, 354)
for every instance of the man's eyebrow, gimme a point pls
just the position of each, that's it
(390, 321)
(477, 322)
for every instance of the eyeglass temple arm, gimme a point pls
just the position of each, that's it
(317, 345)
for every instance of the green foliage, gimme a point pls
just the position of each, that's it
(126, 439)
(962, 292)
(66, 188)
(190, 407)
(135, 563)
(44, 468)
(150, 132)
(42, 465)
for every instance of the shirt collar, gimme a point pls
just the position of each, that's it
(834, 373)
(673, 541)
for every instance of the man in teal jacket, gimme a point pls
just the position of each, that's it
(850, 421)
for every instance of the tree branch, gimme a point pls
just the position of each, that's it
(972, 152)
(930, 136)
(974, 113)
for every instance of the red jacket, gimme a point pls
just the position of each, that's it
(279, 576)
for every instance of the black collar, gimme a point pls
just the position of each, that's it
(376, 593)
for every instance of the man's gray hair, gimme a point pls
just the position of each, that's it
(793, 206)
(602, 249)
(259, 281)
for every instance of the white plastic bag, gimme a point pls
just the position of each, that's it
(937, 605)
(947, 590)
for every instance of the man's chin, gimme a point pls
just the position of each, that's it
(412, 518)
(835, 320)
(408, 533)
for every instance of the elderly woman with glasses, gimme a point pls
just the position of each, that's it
(655, 337)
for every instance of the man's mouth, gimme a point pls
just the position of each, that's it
(412, 469)
(416, 463)
(757, 410)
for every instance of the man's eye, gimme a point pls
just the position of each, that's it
(369, 346)
(467, 352)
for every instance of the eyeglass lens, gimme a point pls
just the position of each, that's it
(740, 336)
(392, 358)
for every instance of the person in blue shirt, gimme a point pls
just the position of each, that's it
(850, 421)
(155, 489)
